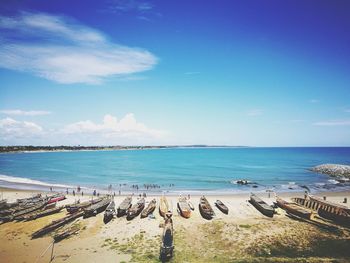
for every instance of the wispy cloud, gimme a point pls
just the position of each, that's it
(255, 112)
(130, 5)
(347, 110)
(10, 128)
(333, 123)
(63, 50)
(314, 101)
(25, 113)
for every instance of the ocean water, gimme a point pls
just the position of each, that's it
(191, 170)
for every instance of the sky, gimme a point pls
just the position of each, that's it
(128, 72)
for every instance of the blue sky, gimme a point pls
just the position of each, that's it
(258, 73)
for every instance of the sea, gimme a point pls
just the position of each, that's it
(175, 170)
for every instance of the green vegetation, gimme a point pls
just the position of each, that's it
(219, 241)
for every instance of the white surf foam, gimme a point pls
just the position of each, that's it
(21, 180)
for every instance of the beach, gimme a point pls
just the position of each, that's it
(244, 235)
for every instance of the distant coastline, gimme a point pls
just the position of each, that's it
(64, 148)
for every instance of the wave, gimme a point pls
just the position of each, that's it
(27, 181)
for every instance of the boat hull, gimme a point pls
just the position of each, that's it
(205, 209)
(223, 208)
(261, 206)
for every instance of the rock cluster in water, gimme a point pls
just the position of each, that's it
(336, 170)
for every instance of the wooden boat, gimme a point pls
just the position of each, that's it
(183, 206)
(97, 208)
(56, 224)
(6, 206)
(339, 216)
(56, 199)
(43, 213)
(46, 207)
(3, 203)
(109, 213)
(324, 203)
(20, 213)
(136, 209)
(73, 208)
(294, 209)
(149, 209)
(167, 245)
(221, 206)
(205, 208)
(260, 205)
(163, 206)
(66, 232)
(191, 205)
(29, 199)
(124, 206)
(338, 213)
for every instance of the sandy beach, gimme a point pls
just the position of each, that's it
(244, 235)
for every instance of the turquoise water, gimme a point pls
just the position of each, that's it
(190, 169)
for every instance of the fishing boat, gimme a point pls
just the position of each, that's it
(221, 206)
(18, 214)
(338, 213)
(73, 208)
(109, 213)
(262, 206)
(56, 199)
(184, 208)
(191, 205)
(46, 207)
(6, 206)
(124, 206)
(136, 209)
(94, 209)
(66, 232)
(56, 224)
(3, 203)
(205, 208)
(149, 209)
(339, 216)
(167, 245)
(42, 213)
(163, 206)
(294, 209)
(29, 199)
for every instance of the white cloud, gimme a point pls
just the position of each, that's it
(333, 123)
(10, 128)
(65, 51)
(111, 127)
(130, 5)
(25, 113)
(255, 112)
(111, 131)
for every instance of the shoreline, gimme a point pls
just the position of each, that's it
(286, 194)
(21, 183)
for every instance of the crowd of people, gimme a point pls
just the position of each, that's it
(78, 190)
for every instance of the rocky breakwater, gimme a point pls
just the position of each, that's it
(334, 170)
